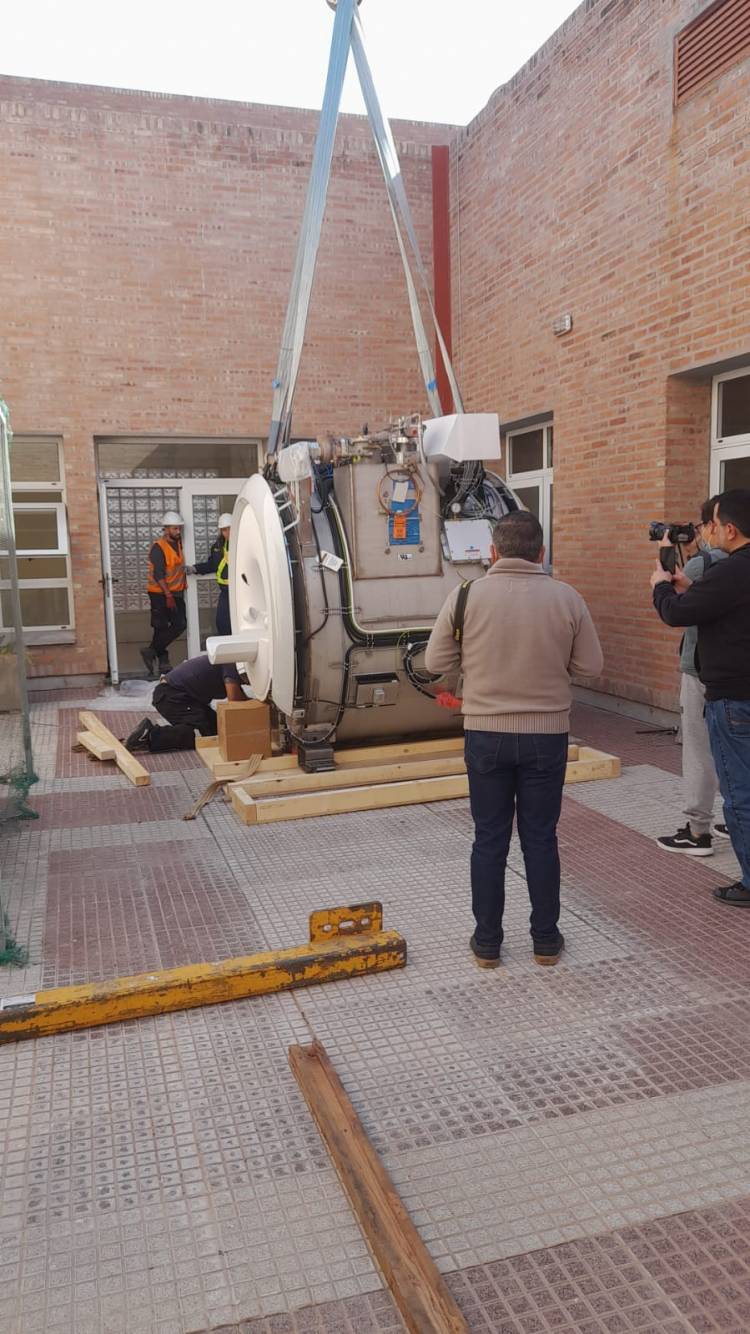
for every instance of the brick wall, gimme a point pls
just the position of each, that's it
(146, 261)
(579, 188)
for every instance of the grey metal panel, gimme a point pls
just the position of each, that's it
(373, 555)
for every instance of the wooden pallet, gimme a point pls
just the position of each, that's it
(368, 778)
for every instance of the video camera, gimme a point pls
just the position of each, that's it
(677, 534)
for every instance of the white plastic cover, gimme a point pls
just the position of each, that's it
(463, 436)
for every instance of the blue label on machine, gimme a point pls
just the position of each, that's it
(404, 523)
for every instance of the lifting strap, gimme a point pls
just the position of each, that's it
(347, 34)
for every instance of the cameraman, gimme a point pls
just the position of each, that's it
(699, 780)
(719, 605)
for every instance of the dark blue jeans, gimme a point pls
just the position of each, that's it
(728, 722)
(522, 774)
(223, 619)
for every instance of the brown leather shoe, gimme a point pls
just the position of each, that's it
(549, 955)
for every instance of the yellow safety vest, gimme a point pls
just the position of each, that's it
(222, 574)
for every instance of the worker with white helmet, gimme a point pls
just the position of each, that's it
(218, 564)
(166, 593)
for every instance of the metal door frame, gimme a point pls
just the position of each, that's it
(188, 487)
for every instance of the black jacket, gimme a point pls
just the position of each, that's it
(719, 604)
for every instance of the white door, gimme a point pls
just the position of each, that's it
(130, 514)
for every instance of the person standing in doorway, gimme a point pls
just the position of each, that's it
(218, 564)
(166, 592)
(524, 636)
(699, 782)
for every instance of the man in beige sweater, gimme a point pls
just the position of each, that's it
(524, 636)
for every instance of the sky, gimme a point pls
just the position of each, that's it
(432, 59)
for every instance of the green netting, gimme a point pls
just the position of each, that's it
(16, 762)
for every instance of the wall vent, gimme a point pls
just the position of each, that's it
(718, 37)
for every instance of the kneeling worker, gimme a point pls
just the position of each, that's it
(184, 698)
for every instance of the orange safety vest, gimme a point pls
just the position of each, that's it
(174, 574)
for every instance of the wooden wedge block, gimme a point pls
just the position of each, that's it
(95, 745)
(418, 1288)
(127, 763)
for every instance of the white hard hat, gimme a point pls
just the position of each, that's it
(172, 520)
(225, 520)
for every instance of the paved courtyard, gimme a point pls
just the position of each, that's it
(571, 1143)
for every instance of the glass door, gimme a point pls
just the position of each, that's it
(201, 531)
(131, 512)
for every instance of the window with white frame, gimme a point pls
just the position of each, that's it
(42, 548)
(530, 473)
(730, 430)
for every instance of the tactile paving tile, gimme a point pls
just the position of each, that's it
(151, 905)
(165, 1176)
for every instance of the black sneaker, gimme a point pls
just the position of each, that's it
(685, 841)
(483, 957)
(721, 831)
(547, 953)
(149, 658)
(164, 664)
(736, 895)
(138, 739)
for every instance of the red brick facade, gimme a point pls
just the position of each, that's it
(145, 264)
(147, 256)
(581, 189)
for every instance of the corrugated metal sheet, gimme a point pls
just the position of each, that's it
(718, 37)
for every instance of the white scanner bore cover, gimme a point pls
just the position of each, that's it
(260, 593)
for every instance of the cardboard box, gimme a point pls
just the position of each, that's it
(244, 729)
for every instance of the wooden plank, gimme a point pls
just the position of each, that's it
(127, 763)
(296, 780)
(399, 750)
(63, 1009)
(208, 750)
(418, 1289)
(592, 764)
(373, 797)
(95, 745)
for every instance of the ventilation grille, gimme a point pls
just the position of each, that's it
(719, 36)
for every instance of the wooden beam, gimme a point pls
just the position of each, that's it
(95, 745)
(332, 801)
(418, 1288)
(127, 763)
(344, 942)
(296, 780)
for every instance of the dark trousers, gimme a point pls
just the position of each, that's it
(728, 723)
(185, 714)
(522, 774)
(167, 625)
(223, 621)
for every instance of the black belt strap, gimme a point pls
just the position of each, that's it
(459, 611)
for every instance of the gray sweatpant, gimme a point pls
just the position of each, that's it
(699, 782)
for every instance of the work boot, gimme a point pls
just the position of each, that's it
(138, 739)
(547, 953)
(149, 658)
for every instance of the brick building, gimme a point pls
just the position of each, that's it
(146, 259)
